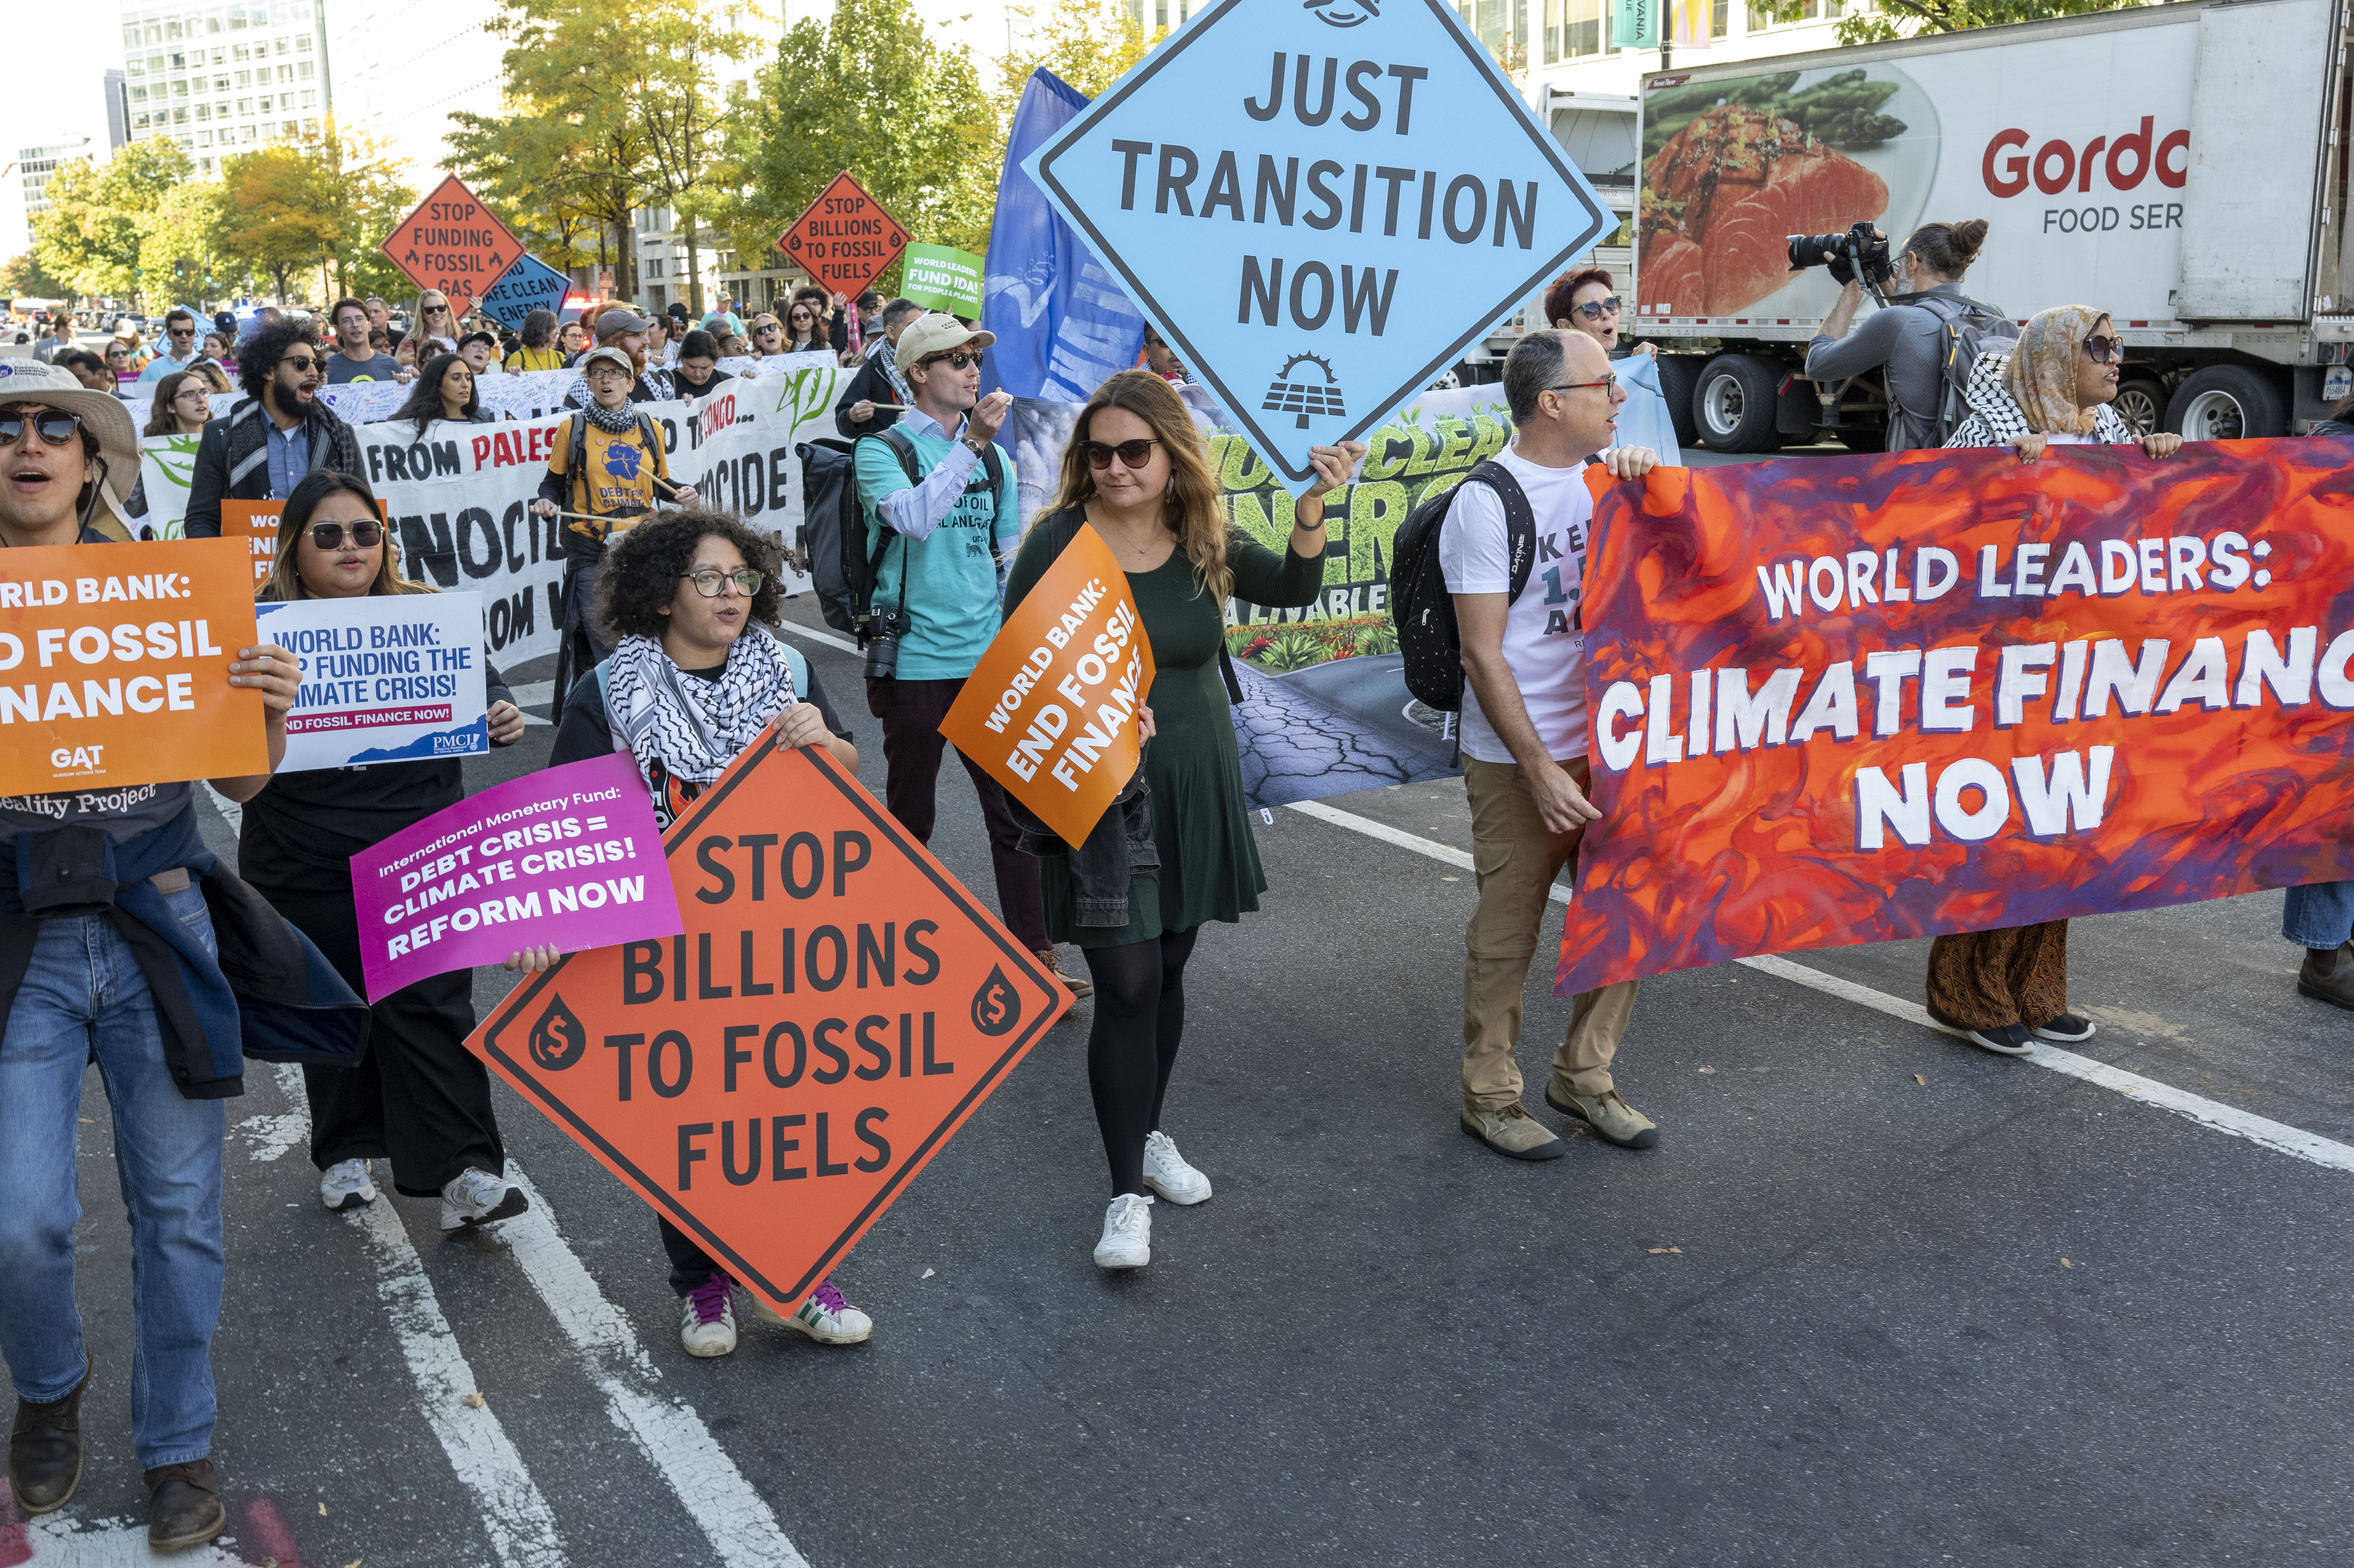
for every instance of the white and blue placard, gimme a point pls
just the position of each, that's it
(531, 284)
(387, 678)
(1319, 206)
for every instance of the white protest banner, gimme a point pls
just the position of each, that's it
(389, 678)
(166, 464)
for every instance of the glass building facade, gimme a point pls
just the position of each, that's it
(225, 79)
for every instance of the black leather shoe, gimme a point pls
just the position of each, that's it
(184, 1506)
(2337, 987)
(45, 1451)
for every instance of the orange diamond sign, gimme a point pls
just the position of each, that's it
(454, 243)
(771, 1079)
(844, 238)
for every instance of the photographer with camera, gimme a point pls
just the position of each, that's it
(942, 521)
(1908, 334)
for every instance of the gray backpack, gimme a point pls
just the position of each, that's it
(1967, 328)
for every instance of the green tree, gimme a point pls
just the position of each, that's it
(363, 196)
(668, 57)
(870, 92)
(179, 247)
(520, 163)
(23, 277)
(91, 237)
(276, 213)
(1888, 19)
(1088, 43)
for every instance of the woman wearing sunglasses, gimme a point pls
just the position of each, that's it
(418, 1098)
(1136, 471)
(696, 675)
(437, 326)
(1589, 302)
(2006, 990)
(806, 334)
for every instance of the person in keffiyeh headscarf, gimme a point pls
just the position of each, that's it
(2006, 990)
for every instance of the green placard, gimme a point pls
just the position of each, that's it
(942, 278)
(1634, 24)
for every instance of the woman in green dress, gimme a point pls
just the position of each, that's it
(1136, 471)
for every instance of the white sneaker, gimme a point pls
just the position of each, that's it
(825, 1317)
(346, 1184)
(1166, 1173)
(1126, 1234)
(477, 1198)
(706, 1322)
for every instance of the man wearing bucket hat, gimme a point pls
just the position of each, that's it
(110, 440)
(606, 467)
(110, 952)
(940, 490)
(622, 328)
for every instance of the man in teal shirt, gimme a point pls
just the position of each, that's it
(956, 524)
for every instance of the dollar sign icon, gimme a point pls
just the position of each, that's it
(557, 1039)
(996, 1006)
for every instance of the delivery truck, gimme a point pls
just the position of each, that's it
(2181, 166)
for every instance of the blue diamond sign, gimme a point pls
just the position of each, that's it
(531, 284)
(1319, 206)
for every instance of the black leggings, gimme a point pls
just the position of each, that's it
(1140, 1016)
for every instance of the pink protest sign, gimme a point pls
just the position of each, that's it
(568, 857)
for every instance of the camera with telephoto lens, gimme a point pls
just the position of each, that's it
(880, 637)
(1860, 252)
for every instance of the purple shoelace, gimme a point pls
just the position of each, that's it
(828, 1299)
(710, 1299)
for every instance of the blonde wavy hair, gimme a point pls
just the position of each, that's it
(1190, 507)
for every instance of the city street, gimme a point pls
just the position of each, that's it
(1876, 1298)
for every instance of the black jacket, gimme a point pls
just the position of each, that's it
(233, 462)
(869, 386)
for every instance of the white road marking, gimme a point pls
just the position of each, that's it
(828, 638)
(743, 1531)
(2279, 1137)
(515, 1515)
(60, 1541)
(531, 694)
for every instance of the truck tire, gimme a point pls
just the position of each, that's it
(1733, 404)
(2141, 404)
(2225, 403)
(1679, 378)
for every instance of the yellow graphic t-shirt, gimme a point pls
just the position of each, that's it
(619, 474)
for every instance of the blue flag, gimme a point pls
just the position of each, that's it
(1062, 325)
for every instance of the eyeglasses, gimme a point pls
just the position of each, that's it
(710, 581)
(1574, 386)
(958, 361)
(2103, 347)
(1594, 309)
(1132, 454)
(330, 536)
(54, 427)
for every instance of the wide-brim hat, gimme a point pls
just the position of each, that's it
(102, 414)
(936, 332)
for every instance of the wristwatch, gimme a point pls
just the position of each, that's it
(974, 447)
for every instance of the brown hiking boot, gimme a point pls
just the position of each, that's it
(1513, 1133)
(1053, 958)
(45, 1451)
(184, 1506)
(2337, 987)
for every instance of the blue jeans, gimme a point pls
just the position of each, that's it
(2319, 916)
(84, 998)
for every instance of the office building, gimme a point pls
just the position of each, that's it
(402, 70)
(118, 108)
(225, 79)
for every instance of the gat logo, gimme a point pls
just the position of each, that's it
(85, 757)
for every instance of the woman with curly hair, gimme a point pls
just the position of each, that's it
(696, 675)
(1136, 471)
(2006, 990)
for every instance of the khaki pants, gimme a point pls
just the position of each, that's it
(1516, 858)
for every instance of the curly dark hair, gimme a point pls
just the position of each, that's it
(643, 567)
(258, 356)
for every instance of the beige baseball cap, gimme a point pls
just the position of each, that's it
(936, 332)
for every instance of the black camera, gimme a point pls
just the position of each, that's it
(879, 636)
(1860, 252)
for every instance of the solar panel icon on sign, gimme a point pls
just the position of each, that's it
(1305, 397)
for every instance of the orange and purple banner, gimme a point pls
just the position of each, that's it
(1850, 700)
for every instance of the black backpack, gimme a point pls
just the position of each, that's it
(1969, 329)
(1419, 602)
(832, 538)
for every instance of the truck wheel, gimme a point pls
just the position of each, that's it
(2225, 403)
(1679, 379)
(1733, 404)
(2141, 404)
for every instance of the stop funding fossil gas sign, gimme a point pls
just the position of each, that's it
(771, 1079)
(454, 243)
(1319, 206)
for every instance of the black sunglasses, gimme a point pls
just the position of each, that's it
(957, 361)
(1594, 309)
(2103, 347)
(54, 427)
(1132, 454)
(330, 536)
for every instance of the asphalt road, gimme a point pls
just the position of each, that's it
(1877, 1297)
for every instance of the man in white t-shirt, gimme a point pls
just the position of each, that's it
(1524, 730)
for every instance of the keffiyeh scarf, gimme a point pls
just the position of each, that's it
(686, 728)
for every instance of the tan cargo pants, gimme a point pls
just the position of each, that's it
(1516, 857)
